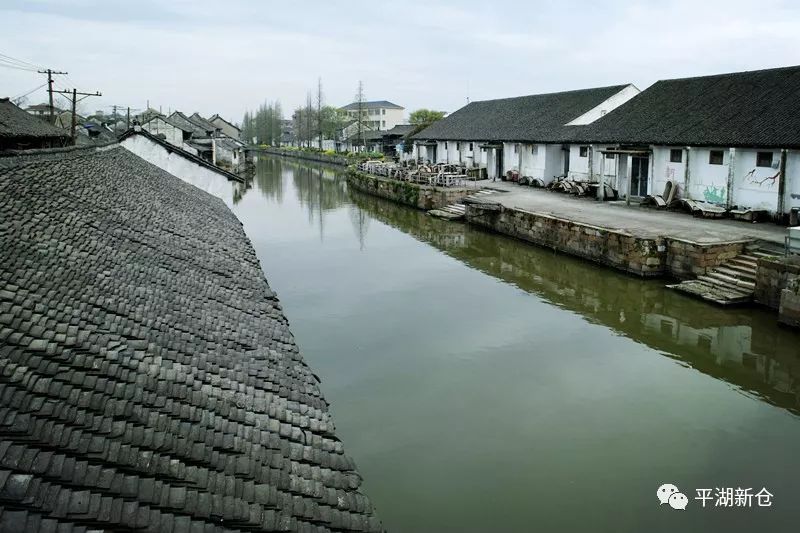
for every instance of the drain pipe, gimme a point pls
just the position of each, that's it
(782, 185)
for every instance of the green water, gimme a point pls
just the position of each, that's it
(483, 384)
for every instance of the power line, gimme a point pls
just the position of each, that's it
(29, 92)
(20, 62)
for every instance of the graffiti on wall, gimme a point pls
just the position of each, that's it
(770, 181)
(715, 195)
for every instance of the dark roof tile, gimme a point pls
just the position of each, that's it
(125, 427)
(535, 118)
(756, 108)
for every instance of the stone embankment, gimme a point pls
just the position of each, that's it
(420, 196)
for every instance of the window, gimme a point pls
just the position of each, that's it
(716, 157)
(609, 155)
(458, 146)
(383, 123)
(383, 111)
(676, 155)
(584, 151)
(764, 159)
(470, 147)
(516, 148)
(533, 149)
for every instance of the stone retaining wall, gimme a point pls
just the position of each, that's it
(789, 311)
(637, 255)
(307, 156)
(419, 196)
(774, 274)
(688, 259)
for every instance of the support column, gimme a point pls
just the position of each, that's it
(687, 174)
(731, 172)
(782, 185)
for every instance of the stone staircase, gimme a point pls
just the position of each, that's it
(458, 210)
(731, 283)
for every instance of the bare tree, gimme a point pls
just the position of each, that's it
(309, 112)
(319, 111)
(360, 111)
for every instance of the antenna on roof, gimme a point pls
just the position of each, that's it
(467, 90)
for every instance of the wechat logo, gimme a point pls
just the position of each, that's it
(669, 494)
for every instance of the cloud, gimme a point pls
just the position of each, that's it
(227, 57)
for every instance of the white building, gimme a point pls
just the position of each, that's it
(228, 128)
(172, 131)
(730, 139)
(376, 115)
(524, 134)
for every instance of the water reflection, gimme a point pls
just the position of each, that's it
(744, 347)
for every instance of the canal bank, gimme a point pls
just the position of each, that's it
(640, 241)
(305, 155)
(479, 380)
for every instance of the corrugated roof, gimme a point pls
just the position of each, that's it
(534, 118)
(373, 104)
(149, 378)
(756, 108)
(16, 123)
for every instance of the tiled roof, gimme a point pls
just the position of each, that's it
(400, 130)
(174, 123)
(16, 123)
(203, 123)
(757, 108)
(535, 118)
(216, 116)
(372, 105)
(183, 121)
(148, 376)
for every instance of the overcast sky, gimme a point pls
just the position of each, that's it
(228, 56)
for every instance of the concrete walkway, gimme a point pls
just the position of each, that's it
(638, 221)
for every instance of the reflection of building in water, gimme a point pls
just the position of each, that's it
(741, 346)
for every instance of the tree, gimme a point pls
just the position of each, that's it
(360, 101)
(264, 125)
(319, 112)
(425, 116)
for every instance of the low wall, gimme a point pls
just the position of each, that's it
(688, 259)
(419, 196)
(789, 311)
(773, 275)
(308, 156)
(637, 255)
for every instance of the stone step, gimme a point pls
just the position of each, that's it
(744, 261)
(711, 292)
(726, 280)
(738, 272)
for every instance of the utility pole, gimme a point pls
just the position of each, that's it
(50, 73)
(75, 94)
(128, 120)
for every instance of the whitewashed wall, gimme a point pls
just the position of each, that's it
(441, 152)
(708, 182)
(180, 167)
(756, 187)
(606, 106)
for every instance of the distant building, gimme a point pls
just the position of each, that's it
(20, 130)
(228, 128)
(42, 110)
(377, 115)
(172, 131)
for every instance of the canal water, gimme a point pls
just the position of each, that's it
(483, 384)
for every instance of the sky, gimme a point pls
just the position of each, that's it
(229, 56)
